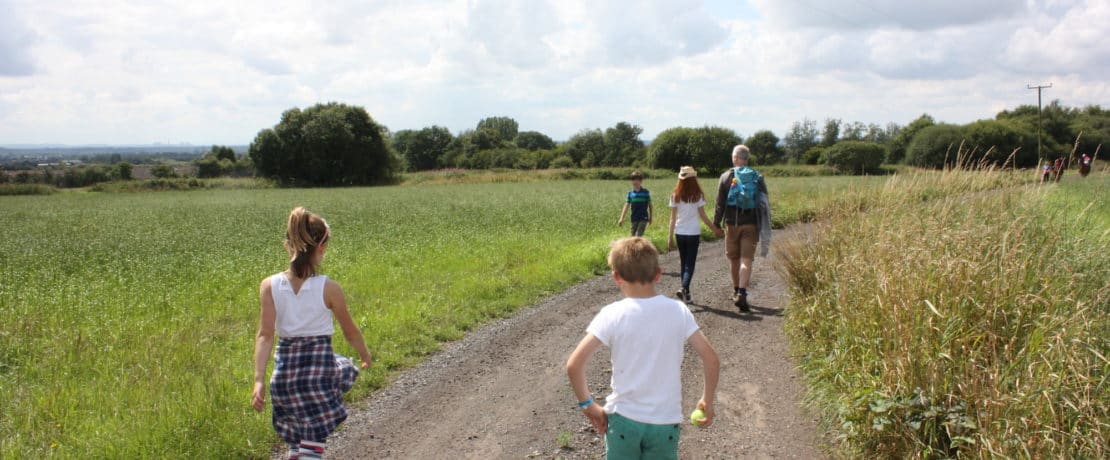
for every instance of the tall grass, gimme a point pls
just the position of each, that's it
(969, 324)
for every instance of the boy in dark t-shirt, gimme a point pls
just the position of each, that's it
(639, 200)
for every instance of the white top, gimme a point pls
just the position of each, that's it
(687, 222)
(646, 339)
(304, 313)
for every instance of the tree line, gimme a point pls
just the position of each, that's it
(339, 144)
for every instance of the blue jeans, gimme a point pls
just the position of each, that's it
(688, 254)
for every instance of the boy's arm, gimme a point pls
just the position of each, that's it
(712, 367)
(576, 372)
(337, 302)
(651, 211)
(623, 210)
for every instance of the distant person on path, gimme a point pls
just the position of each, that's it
(645, 333)
(1085, 165)
(1058, 169)
(744, 205)
(687, 206)
(639, 200)
(309, 378)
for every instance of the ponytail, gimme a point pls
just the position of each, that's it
(304, 233)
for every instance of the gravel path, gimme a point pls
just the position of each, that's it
(501, 392)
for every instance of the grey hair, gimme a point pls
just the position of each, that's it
(742, 152)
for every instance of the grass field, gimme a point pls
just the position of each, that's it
(129, 317)
(976, 325)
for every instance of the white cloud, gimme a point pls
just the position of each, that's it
(871, 14)
(210, 72)
(15, 43)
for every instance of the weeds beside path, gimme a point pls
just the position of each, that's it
(502, 393)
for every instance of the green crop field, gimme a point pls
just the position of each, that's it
(129, 317)
(975, 325)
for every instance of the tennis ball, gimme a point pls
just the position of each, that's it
(696, 417)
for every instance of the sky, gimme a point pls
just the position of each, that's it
(217, 72)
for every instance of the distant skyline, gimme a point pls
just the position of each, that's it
(205, 72)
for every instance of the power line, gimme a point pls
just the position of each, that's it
(1039, 88)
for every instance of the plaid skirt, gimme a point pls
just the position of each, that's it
(306, 388)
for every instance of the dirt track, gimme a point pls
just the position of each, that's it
(501, 392)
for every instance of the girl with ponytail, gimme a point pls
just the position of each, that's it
(309, 378)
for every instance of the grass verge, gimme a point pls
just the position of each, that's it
(974, 325)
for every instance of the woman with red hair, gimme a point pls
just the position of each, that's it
(687, 206)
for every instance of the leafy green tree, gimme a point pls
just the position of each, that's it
(423, 149)
(801, 137)
(223, 153)
(765, 147)
(707, 148)
(533, 140)
(586, 147)
(857, 157)
(623, 145)
(854, 131)
(993, 141)
(711, 147)
(900, 141)
(123, 169)
(935, 146)
(503, 128)
(831, 134)
(326, 144)
(1092, 125)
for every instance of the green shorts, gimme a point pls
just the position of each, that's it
(628, 439)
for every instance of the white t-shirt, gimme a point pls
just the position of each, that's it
(687, 222)
(303, 314)
(646, 339)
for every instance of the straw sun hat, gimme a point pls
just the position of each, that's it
(687, 171)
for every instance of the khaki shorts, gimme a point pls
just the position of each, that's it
(740, 241)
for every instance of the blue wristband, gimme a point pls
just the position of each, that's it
(586, 403)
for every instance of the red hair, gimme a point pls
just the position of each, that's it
(688, 190)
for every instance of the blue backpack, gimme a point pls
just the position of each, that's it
(744, 191)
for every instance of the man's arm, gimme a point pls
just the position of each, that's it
(722, 199)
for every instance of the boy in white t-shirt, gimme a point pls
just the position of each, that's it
(646, 333)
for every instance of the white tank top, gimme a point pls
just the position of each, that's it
(304, 313)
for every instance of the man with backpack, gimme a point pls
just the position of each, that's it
(744, 205)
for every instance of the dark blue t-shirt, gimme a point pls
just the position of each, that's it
(639, 201)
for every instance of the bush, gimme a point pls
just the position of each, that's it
(935, 146)
(163, 172)
(326, 144)
(815, 155)
(562, 161)
(993, 141)
(26, 189)
(855, 157)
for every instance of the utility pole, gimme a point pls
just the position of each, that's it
(1039, 88)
